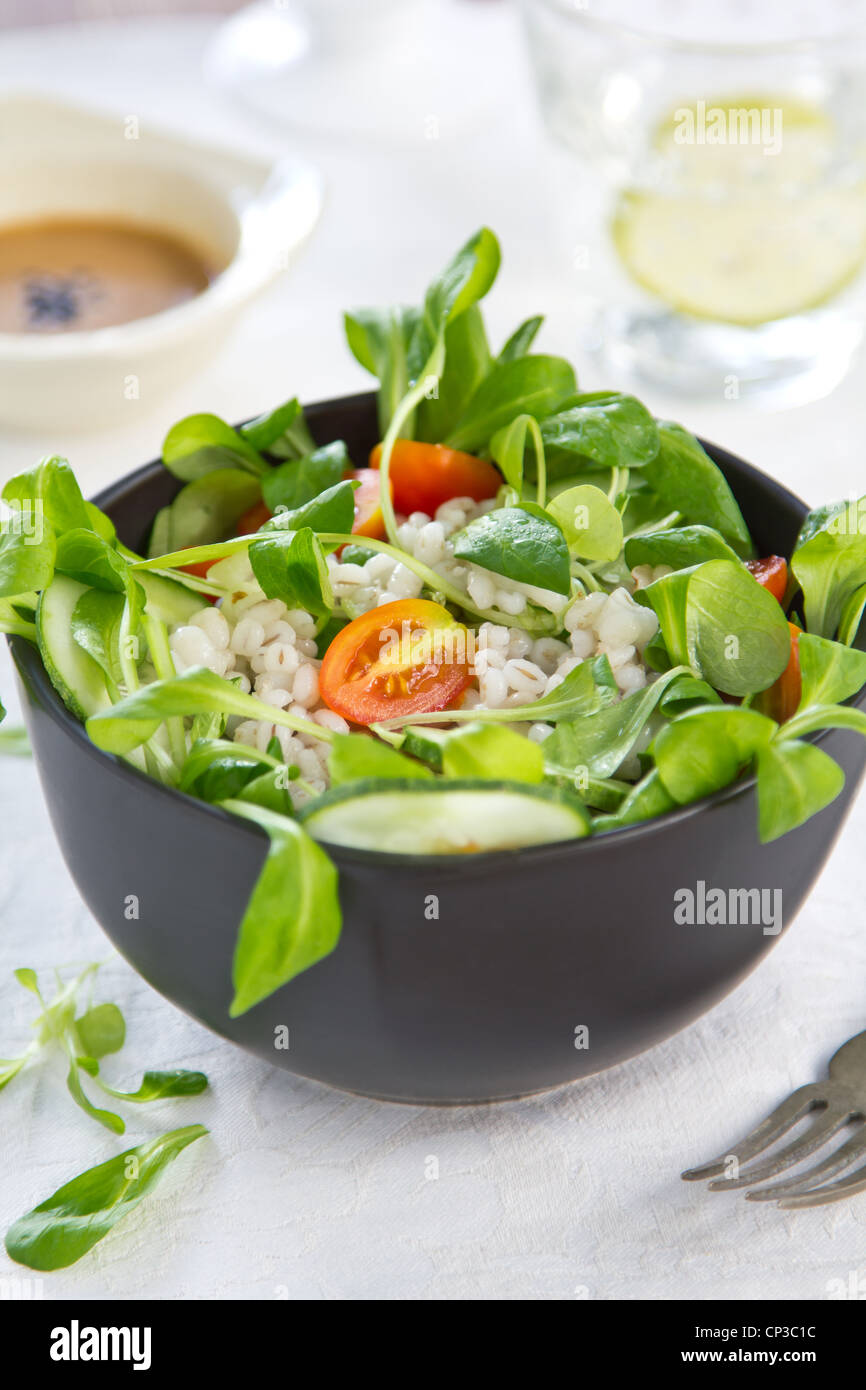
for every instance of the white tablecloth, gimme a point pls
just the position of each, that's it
(304, 1192)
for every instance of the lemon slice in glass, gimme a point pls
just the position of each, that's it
(736, 234)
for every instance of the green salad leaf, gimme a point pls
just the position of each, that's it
(680, 547)
(684, 476)
(491, 752)
(830, 566)
(354, 756)
(735, 630)
(293, 917)
(292, 567)
(531, 385)
(79, 1214)
(599, 429)
(522, 543)
(206, 509)
(300, 481)
(706, 749)
(521, 340)
(795, 781)
(200, 444)
(590, 522)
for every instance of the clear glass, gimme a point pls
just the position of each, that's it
(710, 180)
(382, 70)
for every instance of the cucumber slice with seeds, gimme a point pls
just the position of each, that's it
(446, 817)
(75, 676)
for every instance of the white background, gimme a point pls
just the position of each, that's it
(301, 1191)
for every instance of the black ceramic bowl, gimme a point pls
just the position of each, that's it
(543, 965)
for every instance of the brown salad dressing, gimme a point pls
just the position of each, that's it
(73, 275)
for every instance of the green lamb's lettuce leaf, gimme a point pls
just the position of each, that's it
(100, 1030)
(85, 556)
(585, 688)
(590, 522)
(77, 1216)
(135, 719)
(830, 567)
(216, 769)
(467, 363)
(297, 482)
(599, 429)
(830, 672)
(201, 444)
(291, 566)
(107, 1118)
(521, 340)
(207, 509)
(354, 756)
(331, 510)
(851, 616)
(684, 476)
(281, 432)
(681, 547)
(162, 1085)
(508, 449)
(818, 519)
(465, 280)
(737, 634)
(795, 781)
(379, 339)
(522, 543)
(706, 749)
(596, 744)
(27, 556)
(491, 751)
(293, 917)
(532, 385)
(97, 627)
(668, 598)
(51, 490)
(647, 799)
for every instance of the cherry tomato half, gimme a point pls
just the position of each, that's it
(771, 573)
(781, 699)
(368, 513)
(423, 476)
(407, 657)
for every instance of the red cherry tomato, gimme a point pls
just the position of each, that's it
(771, 573)
(423, 476)
(408, 657)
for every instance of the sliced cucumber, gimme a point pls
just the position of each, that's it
(446, 817)
(170, 602)
(75, 676)
(425, 743)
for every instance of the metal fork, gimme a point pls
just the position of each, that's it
(839, 1102)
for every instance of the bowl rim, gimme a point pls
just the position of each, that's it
(28, 660)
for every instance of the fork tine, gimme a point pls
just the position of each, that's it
(816, 1136)
(836, 1162)
(845, 1187)
(798, 1104)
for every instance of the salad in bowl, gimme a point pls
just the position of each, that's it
(532, 615)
